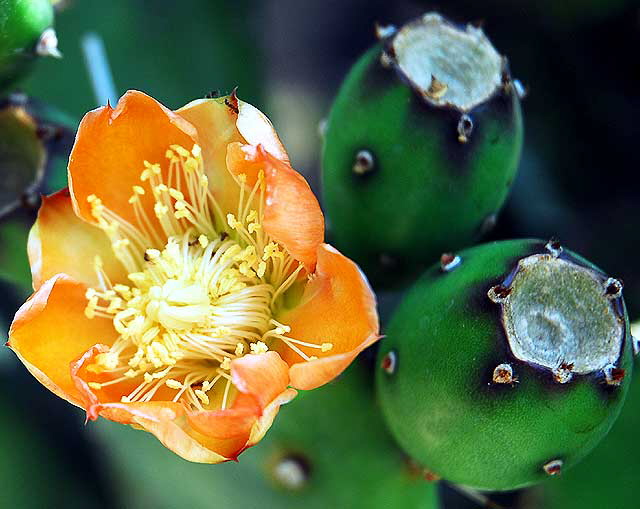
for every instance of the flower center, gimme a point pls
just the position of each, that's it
(203, 287)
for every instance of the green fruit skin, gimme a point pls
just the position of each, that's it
(21, 25)
(441, 405)
(354, 462)
(608, 477)
(429, 193)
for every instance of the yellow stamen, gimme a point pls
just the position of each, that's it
(204, 285)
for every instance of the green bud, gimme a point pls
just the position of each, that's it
(506, 364)
(22, 156)
(26, 28)
(35, 141)
(421, 145)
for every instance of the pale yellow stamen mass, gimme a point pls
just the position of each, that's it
(203, 286)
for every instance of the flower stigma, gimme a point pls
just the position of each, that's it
(203, 287)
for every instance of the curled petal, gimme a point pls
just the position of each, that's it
(292, 214)
(257, 129)
(208, 436)
(216, 125)
(62, 242)
(167, 421)
(111, 147)
(263, 376)
(262, 425)
(338, 307)
(50, 331)
(223, 121)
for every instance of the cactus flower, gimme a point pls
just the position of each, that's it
(182, 285)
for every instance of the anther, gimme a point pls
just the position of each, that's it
(203, 241)
(160, 210)
(202, 396)
(176, 195)
(180, 150)
(232, 221)
(151, 254)
(259, 348)
(173, 384)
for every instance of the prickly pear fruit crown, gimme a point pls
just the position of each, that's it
(431, 117)
(561, 316)
(449, 65)
(521, 348)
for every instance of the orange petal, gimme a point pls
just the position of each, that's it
(216, 125)
(111, 147)
(204, 436)
(338, 307)
(263, 376)
(224, 424)
(167, 421)
(292, 214)
(223, 121)
(62, 242)
(91, 399)
(262, 381)
(257, 129)
(262, 425)
(50, 331)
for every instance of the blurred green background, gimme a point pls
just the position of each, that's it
(577, 181)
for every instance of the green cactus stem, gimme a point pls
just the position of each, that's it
(506, 364)
(421, 147)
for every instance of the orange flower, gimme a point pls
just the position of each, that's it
(181, 283)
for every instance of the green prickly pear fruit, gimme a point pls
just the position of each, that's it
(505, 364)
(421, 145)
(26, 32)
